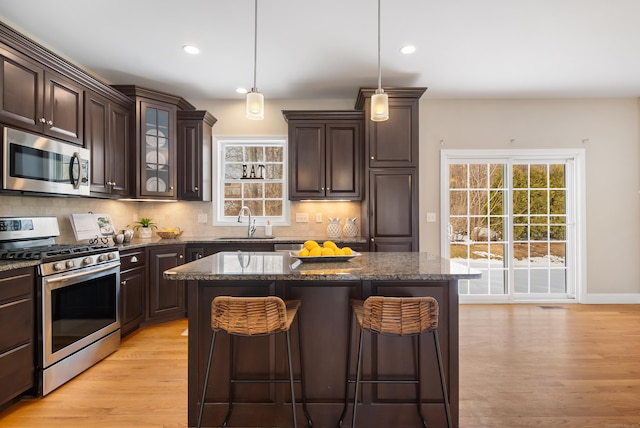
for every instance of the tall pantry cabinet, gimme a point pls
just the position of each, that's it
(390, 206)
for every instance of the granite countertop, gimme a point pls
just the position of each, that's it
(6, 265)
(136, 243)
(271, 266)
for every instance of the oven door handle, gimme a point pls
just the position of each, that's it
(71, 276)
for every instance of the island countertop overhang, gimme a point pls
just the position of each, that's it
(278, 266)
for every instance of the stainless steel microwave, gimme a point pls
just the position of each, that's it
(33, 163)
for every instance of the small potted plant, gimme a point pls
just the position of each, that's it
(144, 227)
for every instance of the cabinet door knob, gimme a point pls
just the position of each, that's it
(50, 122)
(372, 158)
(123, 282)
(181, 256)
(170, 187)
(134, 259)
(195, 189)
(43, 120)
(372, 240)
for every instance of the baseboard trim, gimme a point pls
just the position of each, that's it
(611, 298)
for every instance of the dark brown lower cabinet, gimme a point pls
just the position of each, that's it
(393, 209)
(326, 327)
(133, 280)
(17, 348)
(166, 298)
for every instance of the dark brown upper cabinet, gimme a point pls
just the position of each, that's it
(325, 154)
(107, 136)
(40, 100)
(155, 141)
(194, 155)
(394, 142)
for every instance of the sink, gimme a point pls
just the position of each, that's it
(244, 237)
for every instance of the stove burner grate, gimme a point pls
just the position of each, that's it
(51, 252)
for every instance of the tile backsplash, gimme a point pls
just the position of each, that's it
(165, 214)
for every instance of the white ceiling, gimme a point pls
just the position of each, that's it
(328, 49)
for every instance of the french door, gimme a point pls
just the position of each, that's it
(515, 216)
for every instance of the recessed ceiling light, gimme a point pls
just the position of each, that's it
(408, 49)
(190, 49)
(241, 90)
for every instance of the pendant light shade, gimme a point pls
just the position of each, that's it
(379, 106)
(255, 105)
(379, 101)
(255, 100)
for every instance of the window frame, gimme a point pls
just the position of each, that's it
(218, 217)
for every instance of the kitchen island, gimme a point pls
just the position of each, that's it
(325, 290)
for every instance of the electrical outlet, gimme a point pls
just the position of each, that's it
(135, 217)
(431, 217)
(202, 218)
(318, 217)
(302, 218)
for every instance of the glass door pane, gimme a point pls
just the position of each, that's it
(477, 225)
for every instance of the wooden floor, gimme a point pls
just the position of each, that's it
(569, 366)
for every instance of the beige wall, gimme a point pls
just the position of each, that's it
(612, 180)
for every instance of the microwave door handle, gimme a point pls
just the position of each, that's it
(75, 180)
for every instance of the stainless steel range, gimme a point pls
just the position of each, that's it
(78, 293)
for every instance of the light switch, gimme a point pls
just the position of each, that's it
(431, 217)
(202, 218)
(302, 218)
(318, 217)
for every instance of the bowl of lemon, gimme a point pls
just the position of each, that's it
(328, 251)
(169, 232)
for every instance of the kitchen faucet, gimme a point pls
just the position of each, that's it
(252, 226)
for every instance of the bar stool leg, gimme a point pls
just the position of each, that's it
(358, 370)
(443, 383)
(293, 394)
(206, 379)
(419, 371)
(231, 386)
(346, 384)
(302, 385)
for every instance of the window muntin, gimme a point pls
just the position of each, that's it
(252, 173)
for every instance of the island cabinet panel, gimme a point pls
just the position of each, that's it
(325, 310)
(395, 355)
(17, 347)
(254, 356)
(166, 298)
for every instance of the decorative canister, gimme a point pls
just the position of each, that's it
(350, 229)
(334, 230)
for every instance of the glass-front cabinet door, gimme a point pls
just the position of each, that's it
(158, 151)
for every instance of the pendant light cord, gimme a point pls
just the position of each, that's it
(255, 44)
(379, 67)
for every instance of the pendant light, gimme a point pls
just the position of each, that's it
(380, 100)
(255, 100)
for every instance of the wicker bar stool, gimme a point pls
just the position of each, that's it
(397, 316)
(254, 316)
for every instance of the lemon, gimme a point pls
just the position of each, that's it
(304, 252)
(347, 251)
(329, 244)
(309, 245)
(315, 251)
(338, 252)
(327, 251)
(169, 229)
